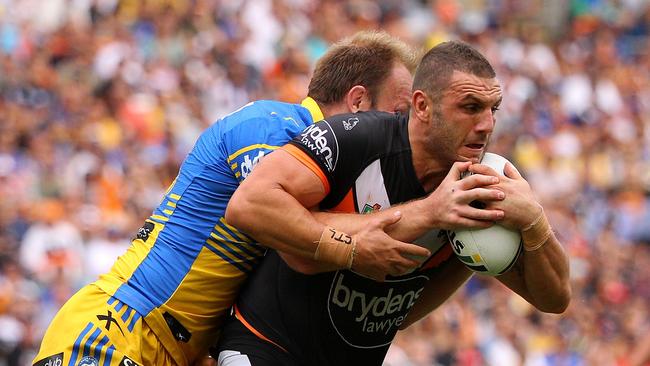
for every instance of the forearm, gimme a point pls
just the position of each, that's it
(295, 231)
(413, 223)
(546, 276)
(270, 206)
(417, 217)
(410, 227)
(541, 275)
(351, 224)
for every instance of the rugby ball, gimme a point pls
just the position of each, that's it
(490, 251)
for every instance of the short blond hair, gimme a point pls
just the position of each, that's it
(365, 58)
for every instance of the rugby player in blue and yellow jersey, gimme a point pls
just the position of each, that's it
(164, 300)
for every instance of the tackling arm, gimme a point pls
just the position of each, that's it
(270, 206)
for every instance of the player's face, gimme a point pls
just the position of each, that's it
(395, 92)
(465, 116)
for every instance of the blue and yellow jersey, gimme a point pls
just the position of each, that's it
(183, 271)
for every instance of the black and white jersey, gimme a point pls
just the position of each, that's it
(343, 318)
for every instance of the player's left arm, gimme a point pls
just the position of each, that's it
(541, 274)
(449, 277)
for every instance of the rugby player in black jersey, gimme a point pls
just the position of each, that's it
(375, 161)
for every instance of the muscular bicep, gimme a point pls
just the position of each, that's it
(302, 181)
(270, 204)
(279, 171)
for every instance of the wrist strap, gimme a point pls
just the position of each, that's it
(336, 247)
(537, 233)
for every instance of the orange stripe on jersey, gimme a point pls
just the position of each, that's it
(346, 204)
(253, 330)
(309, 163)
(440, 256)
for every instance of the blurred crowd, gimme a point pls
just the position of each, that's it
(100, 100)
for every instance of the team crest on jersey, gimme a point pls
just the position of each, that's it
(320, 140)
(368, 209)
(350, 123)
(88, 361)
(54, 360)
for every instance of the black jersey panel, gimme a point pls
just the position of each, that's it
(342, 318)
(343, 145)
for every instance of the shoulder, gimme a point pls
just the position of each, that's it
(250, 132)
(371, 131)
(265, 111)
(261, 122)
(356, 138)
(353, 129)
(366, 121)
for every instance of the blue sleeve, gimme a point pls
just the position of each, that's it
(257, 130)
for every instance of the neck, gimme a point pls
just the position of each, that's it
(332, 109)
(428, 169)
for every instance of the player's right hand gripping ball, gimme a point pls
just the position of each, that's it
(491, 251)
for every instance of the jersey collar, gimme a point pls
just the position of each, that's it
(313, 108)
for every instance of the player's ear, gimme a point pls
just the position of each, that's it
(357, 99)
(421, 105)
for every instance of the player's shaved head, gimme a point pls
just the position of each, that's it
(439, 63)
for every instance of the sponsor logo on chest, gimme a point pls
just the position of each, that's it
(365, 313)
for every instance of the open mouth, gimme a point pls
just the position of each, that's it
(473, 151)
(475, 146)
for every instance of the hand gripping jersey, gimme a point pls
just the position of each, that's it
(182, 273)
(342, 318)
